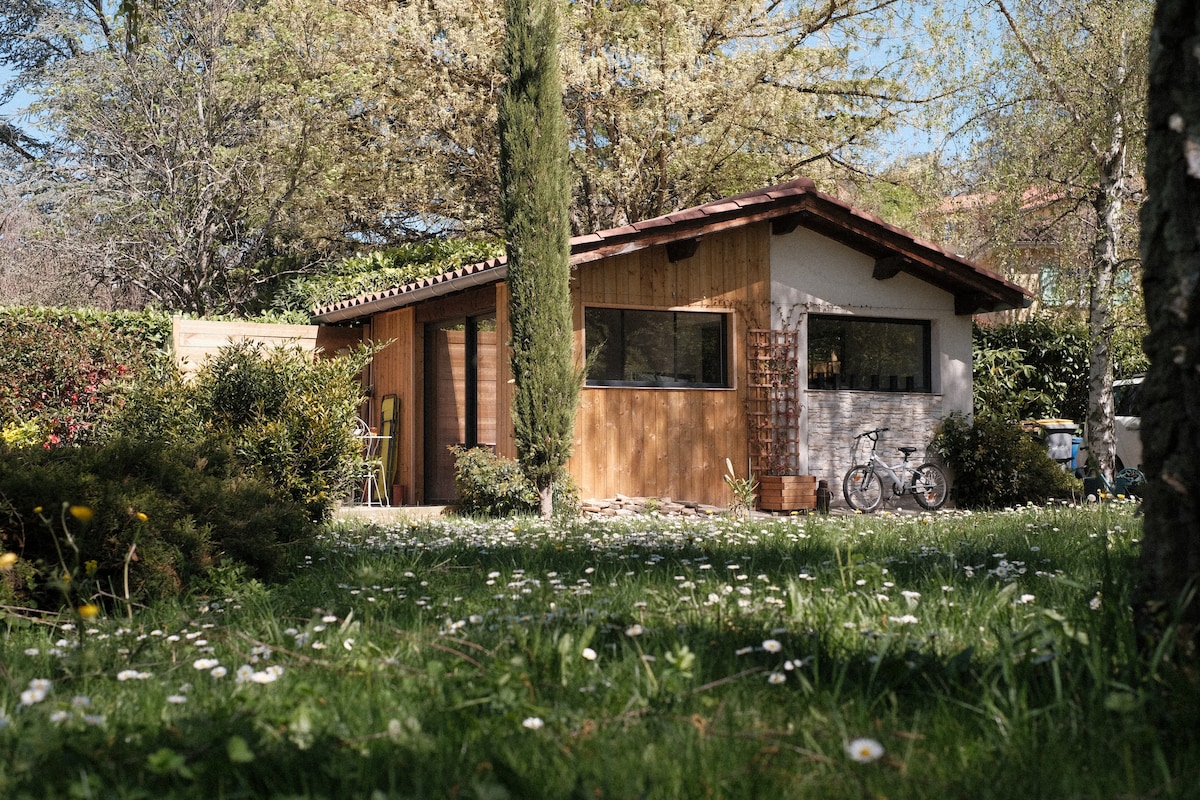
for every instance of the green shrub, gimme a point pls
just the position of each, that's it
(286, 417)
(59, 368)
(1038, 368)
(158, 518)
(290, 418)
(491, 485)
(1032, 369)
(180, 476)
(996, 463)
(494, 486)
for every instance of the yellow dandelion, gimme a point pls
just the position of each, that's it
(37, 509)
(90, 567)
(8, 560)
(141, 516)
(89, 611)
(81, 513)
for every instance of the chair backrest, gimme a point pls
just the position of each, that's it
(361, 428)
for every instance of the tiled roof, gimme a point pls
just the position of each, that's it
(793, 203)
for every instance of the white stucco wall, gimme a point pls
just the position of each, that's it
(811, 274)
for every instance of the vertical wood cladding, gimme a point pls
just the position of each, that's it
(664, 442)
(393, 371)
(672, 442)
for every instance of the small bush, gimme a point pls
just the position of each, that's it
(491, 485)
(288, 419)
(59, 368)
(157, 518)
(997, 463)
(178, 477)
(494, 486)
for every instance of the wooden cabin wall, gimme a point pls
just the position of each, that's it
(506, 444)
(672, 442)
(394, 371)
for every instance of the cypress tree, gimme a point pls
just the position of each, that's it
(534, 202)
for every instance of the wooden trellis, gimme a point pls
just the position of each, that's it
(773, 402)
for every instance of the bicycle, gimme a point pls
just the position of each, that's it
(864, 485)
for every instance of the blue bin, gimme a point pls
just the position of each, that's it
(1076, 442)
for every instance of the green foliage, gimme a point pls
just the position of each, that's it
(1038, 368)
(234, 465)
(381, 269)
(1128, 354)
(494, 486)
(996, 463)
(491, 485)
(59, 368)
(286, 417)
(158, 517)
(1033, 369)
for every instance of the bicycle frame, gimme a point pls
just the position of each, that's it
(926, 482)
(882, 469)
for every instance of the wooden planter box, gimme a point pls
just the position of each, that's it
(787, 492)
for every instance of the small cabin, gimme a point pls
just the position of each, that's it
(767, 328)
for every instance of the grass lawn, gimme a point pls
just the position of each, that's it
(964, 655)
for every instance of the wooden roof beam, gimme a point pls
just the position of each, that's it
(786, 224)
(972, 303)
(890, 266)
(682, 249)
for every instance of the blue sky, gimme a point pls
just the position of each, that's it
(10, 109)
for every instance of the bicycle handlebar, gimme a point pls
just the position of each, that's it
(872, 434)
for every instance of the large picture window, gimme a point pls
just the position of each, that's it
(631, 347)
(879, 355)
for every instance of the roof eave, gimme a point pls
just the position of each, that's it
(358, 308)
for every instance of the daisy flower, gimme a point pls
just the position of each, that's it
(864, 751)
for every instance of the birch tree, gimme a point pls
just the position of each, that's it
(1065, 110)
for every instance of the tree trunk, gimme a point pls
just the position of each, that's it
(1101, 434)
(1170, 566)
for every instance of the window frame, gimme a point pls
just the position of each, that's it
(831, 380)
(726, 367)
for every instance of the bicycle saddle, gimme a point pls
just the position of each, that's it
(908, 451)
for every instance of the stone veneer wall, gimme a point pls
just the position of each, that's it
(836, 417)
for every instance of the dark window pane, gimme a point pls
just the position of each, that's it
(631, 347)
(874, 354)
(602, 333)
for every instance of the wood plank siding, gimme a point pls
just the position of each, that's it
(400, 369)
(393, 371)
(664, 442)
(672, 442)
(196, 340)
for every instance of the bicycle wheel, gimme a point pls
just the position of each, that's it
(862, 488)
(929, 486)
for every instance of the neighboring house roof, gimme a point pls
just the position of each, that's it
(786, 206)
